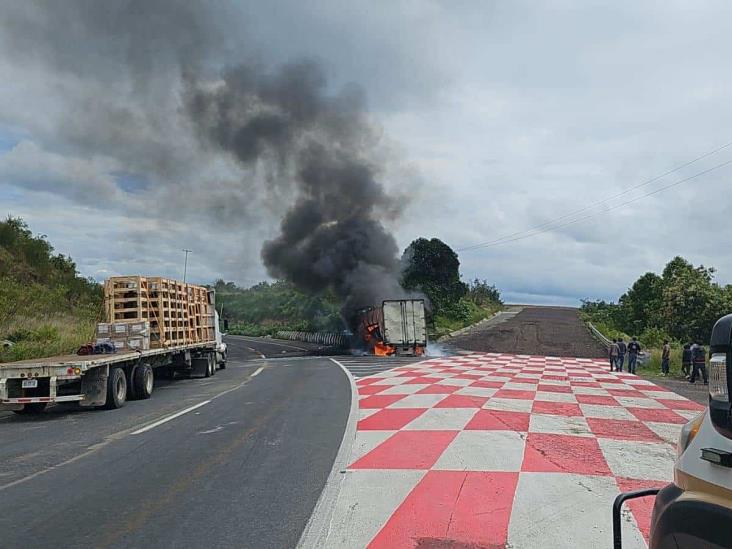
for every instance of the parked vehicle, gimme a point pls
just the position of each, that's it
(186, 340)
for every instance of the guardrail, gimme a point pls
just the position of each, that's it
(323, 338)
(643, 357)
(605, 341)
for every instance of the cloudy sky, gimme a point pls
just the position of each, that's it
(492, 118)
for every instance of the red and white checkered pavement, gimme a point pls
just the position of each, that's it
(496, 450)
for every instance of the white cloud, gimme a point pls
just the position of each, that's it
(506, 115)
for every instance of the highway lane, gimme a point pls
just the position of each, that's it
(243, 469)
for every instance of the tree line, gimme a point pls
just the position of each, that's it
(427, 265)
(682, 303)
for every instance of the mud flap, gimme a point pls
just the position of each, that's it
(4, 394)
(199, 365)
(94, 386)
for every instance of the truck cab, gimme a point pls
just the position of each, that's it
(221, 349)
(695, 511)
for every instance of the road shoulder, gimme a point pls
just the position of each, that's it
(318, 527)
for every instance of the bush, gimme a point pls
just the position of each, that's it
(654, 337)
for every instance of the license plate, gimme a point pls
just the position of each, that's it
(30, 383)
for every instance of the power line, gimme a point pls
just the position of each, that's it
(506, 240)
(509, 237)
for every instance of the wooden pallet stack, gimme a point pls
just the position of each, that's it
(178, 313)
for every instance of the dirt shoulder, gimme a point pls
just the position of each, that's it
(698, 392)
(548, 331)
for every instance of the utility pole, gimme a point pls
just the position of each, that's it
(185, 265)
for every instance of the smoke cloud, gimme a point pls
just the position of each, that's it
(143, 84)
(332, 237)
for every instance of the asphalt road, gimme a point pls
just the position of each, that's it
(244, 468)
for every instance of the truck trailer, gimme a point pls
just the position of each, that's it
(186, 340)
(397, 327)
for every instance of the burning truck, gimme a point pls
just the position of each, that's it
(397, 327)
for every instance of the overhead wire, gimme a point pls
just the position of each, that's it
(549, 224)
(534, 232)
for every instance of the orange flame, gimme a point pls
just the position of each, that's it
(382, 349)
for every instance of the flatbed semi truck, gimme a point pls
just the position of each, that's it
(109, 380)
(101, 380)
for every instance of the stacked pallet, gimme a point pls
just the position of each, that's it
(178, 313)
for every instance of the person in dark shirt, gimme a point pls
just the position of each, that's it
(634, 349)
(665, 358)
(622, 349)
(700, 363)
(613, 352)
(686, 361)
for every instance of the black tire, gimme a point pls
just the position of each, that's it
(208, 373)
(33, 408)
(222, 364)
(214, 363)
(143, 382)
(129, 378)
(116, 389)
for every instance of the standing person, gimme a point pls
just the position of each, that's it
(634, 349)
(686, 361)
(622, 349)
(614, 352)
(700, 363)
(665, 357)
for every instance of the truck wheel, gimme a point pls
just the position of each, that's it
(209, 369)
(214, 363)
(116, 389)
(222, 364)
(143, 382)
(34, 408)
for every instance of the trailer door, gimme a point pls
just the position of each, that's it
(404, 322)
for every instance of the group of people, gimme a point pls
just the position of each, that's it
(693, 361)
(618, 350)
(693, 358)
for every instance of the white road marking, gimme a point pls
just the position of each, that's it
(214, 430)
(259, 370)
(170, 417)
(115, 437)
(319, 523)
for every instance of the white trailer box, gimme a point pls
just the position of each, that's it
(404, 323)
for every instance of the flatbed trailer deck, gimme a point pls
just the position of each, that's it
(107, 380)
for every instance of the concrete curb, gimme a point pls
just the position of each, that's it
(497, 318)
(318, 527)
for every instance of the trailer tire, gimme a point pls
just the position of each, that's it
(209, 369)
(116, 389)
(33, 408)
(143, 382)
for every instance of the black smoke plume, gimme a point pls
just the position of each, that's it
(143, 85)
(333, 236)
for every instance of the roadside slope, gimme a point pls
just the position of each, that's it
(546, 331)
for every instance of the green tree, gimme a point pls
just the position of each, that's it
(640, 306)
(692, 301)
(432, 267)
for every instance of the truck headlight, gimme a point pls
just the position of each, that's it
(688, 432)
(718, 388)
